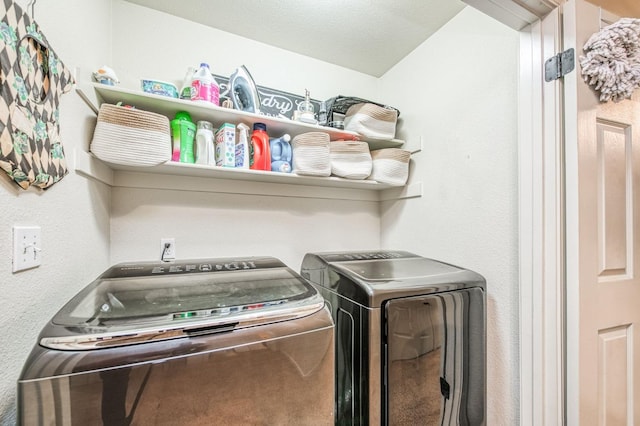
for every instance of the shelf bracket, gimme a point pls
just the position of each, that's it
(413, 190)
(86, 165)
(83, 95)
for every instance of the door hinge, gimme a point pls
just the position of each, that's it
(559, 65)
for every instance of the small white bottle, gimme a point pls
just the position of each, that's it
(185, 91)
(205, 150)
(242, 147)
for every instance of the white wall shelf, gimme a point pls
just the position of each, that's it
(200, 178)
(196, 177)
(205, 111)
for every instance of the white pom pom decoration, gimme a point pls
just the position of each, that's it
(612, 60)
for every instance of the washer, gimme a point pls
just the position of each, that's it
(410, 337)
(226, 341)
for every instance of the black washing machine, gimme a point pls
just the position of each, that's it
(193, 342)
(410, 338)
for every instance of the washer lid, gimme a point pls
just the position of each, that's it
(134, 303)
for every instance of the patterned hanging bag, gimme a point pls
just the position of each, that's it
(32, 79)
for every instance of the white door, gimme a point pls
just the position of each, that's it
(603, 242)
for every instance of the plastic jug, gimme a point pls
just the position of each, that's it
(280, 154)
(183, 132)
(205, 152)
(204, 87)
(261, 150)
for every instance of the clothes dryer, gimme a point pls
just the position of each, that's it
(410, 337)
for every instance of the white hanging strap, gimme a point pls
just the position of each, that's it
(600, 17)
(32, 5)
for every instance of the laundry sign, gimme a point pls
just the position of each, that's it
(274, 103)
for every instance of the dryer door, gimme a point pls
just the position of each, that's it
(434, 351)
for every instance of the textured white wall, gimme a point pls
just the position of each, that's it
(151, 44)
(206, 224)
(458, 91)
(73, 214)
(228, 225)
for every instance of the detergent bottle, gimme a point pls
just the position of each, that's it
(183, 132)
(281, 154)
(204, 87)
(185, 92)
(205, 152)
(261, 150)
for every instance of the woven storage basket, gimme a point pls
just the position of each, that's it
(351, 160)
(131, 137)
(390, 166)
(371, 120)
(311, 154)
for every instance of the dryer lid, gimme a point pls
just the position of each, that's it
(396, 269)
(371, 277)
(132, 303)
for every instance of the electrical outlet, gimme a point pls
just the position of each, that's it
(26, 248)
(167, 249)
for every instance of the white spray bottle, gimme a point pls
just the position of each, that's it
(242, 147)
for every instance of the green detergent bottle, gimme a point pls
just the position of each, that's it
(183, 132)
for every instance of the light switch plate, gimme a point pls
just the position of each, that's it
(26, 248)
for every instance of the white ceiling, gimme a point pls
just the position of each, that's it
(369, 36)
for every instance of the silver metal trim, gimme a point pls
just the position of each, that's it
(152, 334)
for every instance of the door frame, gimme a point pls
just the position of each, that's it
(541, 205)
(542, 228)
